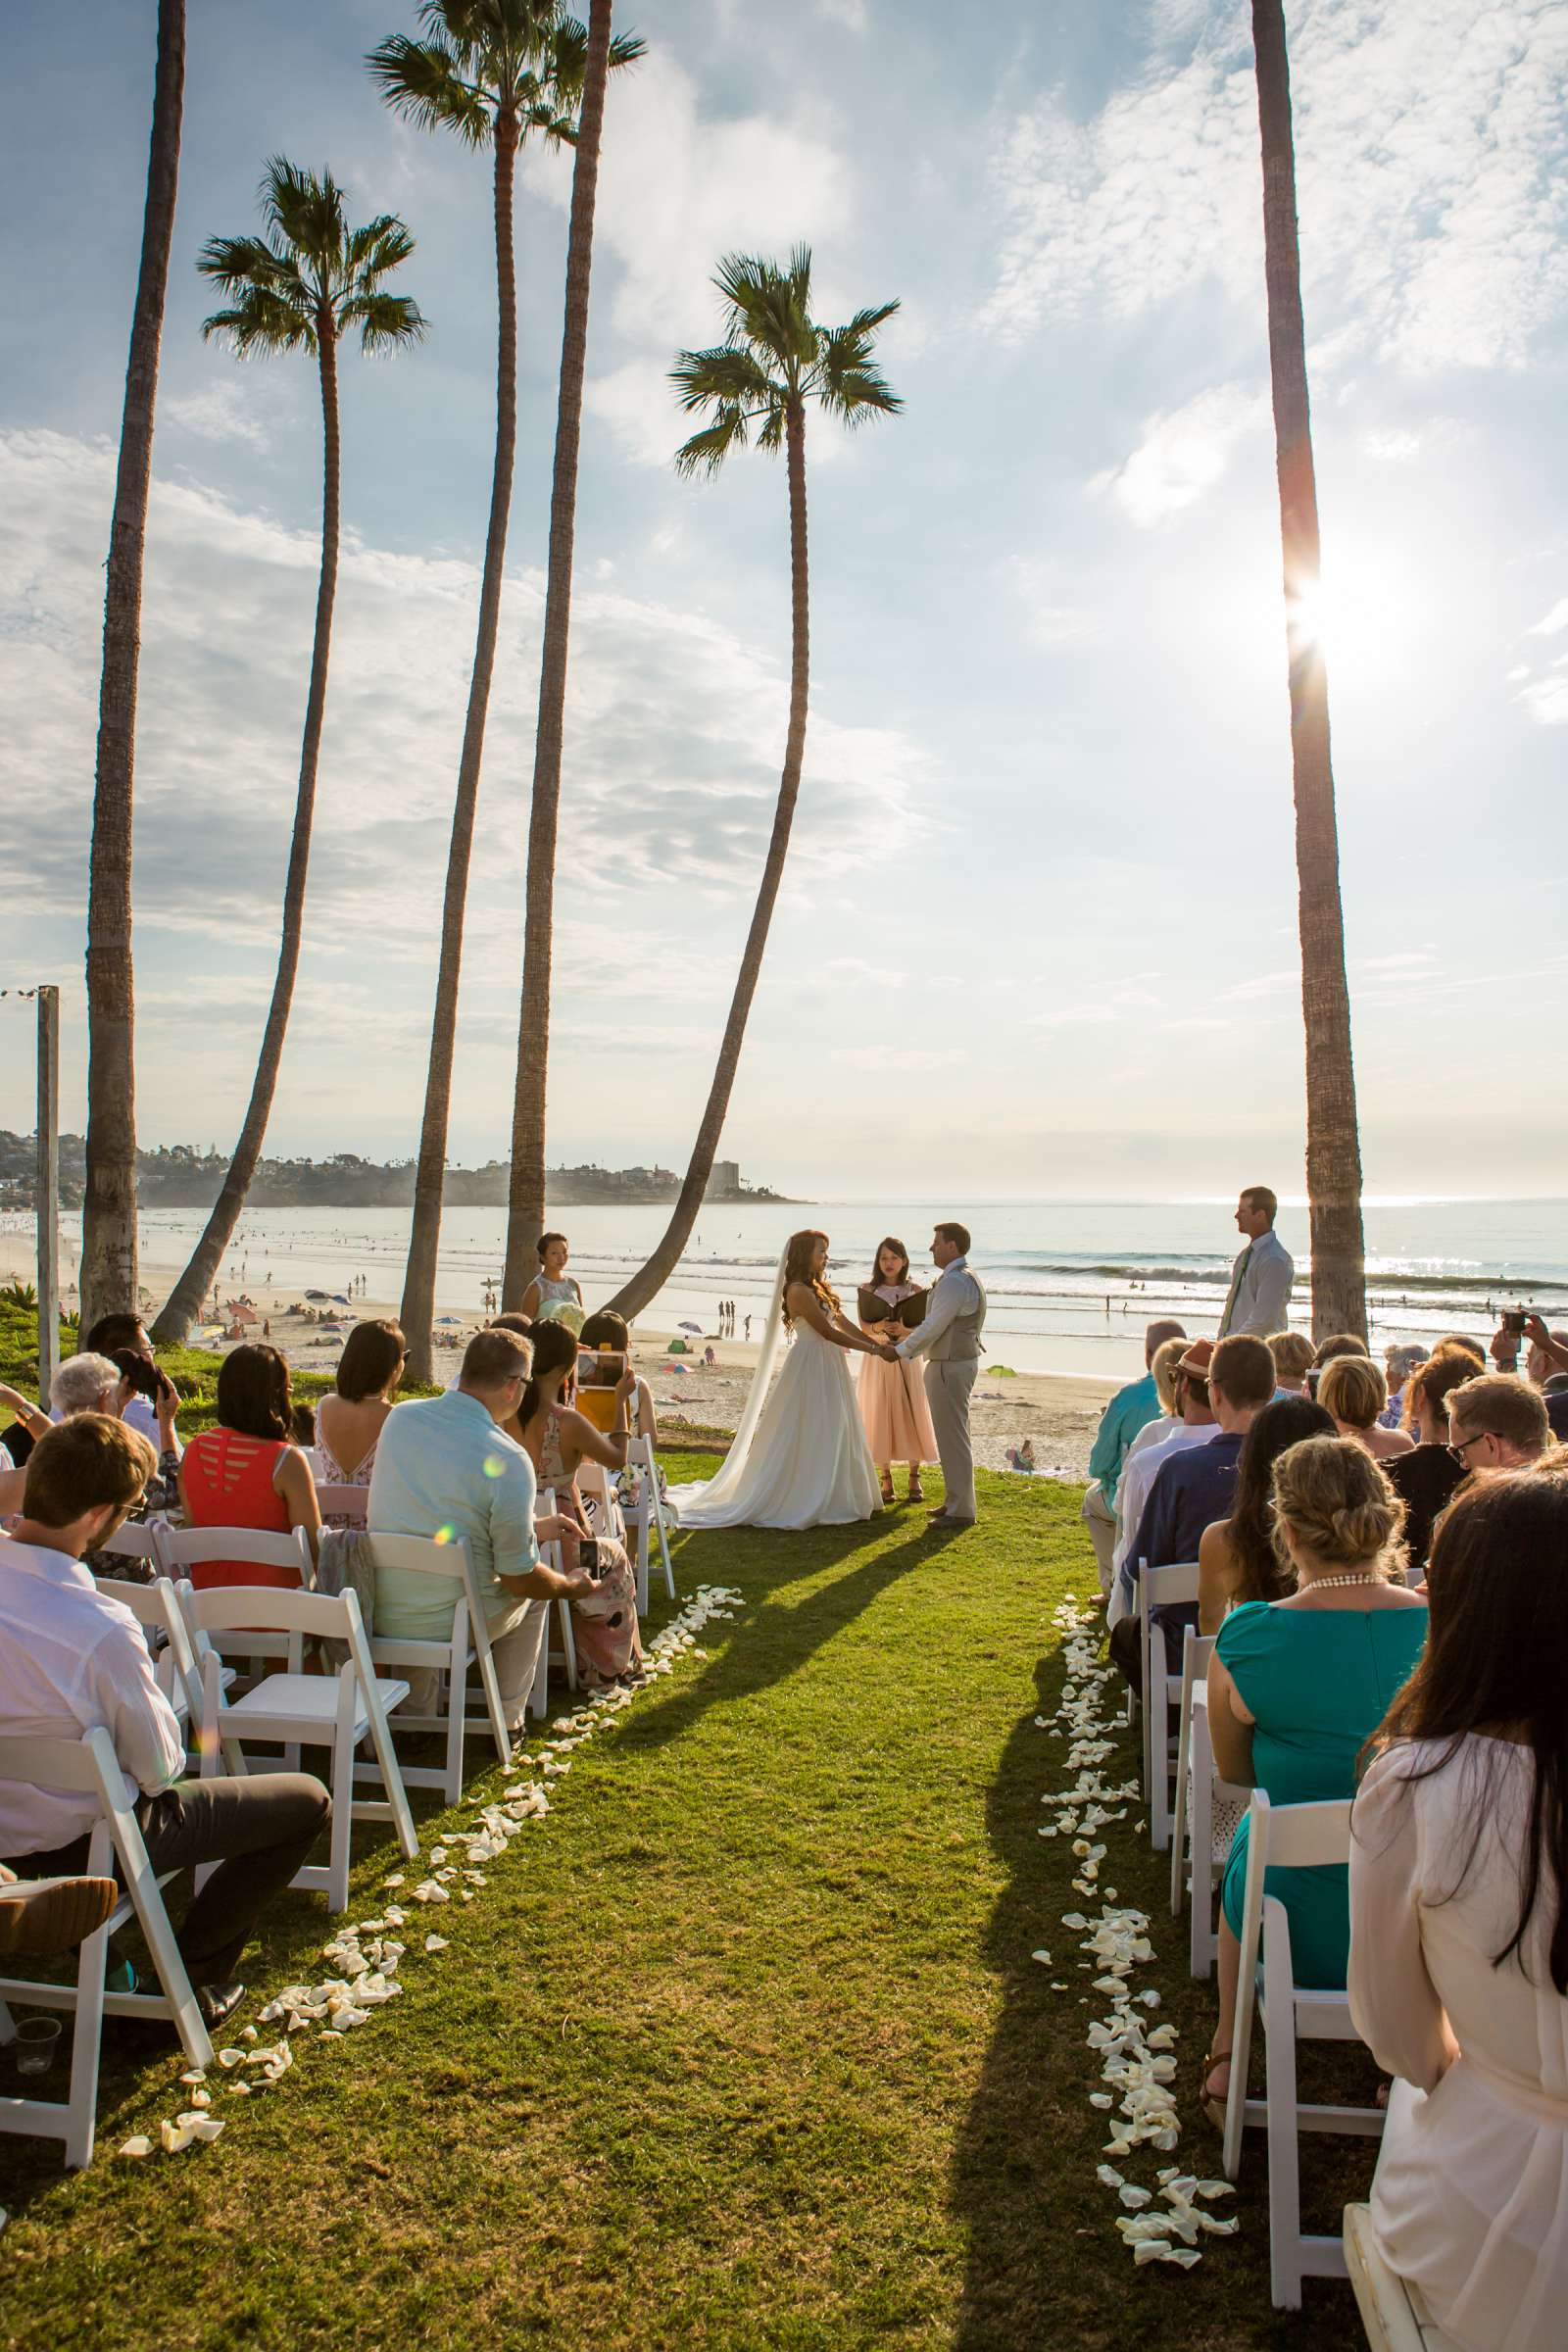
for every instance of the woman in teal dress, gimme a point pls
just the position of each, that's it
(1295, 1689)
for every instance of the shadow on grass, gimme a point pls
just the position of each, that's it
(784, 1638)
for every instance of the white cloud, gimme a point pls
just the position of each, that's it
(219, 411)
(1430, 152)
(853, 16)
(1551, 623)
(638, 405)
(1546, 700)
(678, 189)
(1182, 453)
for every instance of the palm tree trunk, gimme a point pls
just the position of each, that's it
(525, 1210)
(424, 1239)
(645, 1286)
(1333, 1146)
(109, 1254)
(172, 1326)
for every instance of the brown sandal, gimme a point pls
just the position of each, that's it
(917, 1490)
(1214, 2108)
(887, 1494)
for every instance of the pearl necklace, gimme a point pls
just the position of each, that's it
(1322, 1584)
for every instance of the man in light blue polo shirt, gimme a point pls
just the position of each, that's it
(1131, 1409)
(444, 1468)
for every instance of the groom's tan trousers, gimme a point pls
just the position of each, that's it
(946, 1393)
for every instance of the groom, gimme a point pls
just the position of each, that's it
(950, 1341)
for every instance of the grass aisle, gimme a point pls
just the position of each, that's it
(742, 2047)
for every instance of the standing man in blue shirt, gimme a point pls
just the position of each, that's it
(1261, 1279)
(1131, 1409)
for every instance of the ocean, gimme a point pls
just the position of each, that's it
(1071, 1283)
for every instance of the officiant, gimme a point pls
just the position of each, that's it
(893, 1406)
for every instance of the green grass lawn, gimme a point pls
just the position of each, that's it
(742, 2047)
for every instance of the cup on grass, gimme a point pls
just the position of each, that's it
(37, 2039)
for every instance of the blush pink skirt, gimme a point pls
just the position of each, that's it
(893, 1412)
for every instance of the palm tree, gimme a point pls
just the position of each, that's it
(526, 1203)
(1333, 1146)
(772, 363)
(308, 283)
(109, 1259)
(493, 71)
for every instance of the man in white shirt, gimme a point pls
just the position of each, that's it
(70, 1659)
(950, 1341)
(1261, 1279)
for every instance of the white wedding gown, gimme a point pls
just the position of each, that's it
(800, 1456)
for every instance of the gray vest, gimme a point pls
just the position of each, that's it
(959, 1343)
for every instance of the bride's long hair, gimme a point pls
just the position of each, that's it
(797, 1253)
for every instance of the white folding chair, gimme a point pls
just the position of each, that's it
(646, 1518)
(89, 1766)
(1193, 1868)
(1159, 1587)
(344, 1502)
(1293, 1838)
(467, 1645)
(162, 1623)
(1393, 2310)
(183, 1549)
(137, 1540)
(305, 1710)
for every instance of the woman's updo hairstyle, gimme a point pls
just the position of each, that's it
(1338, 1504)
(555, 1350)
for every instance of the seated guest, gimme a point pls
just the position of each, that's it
(349, 1423)
(1131, 1409)
(248, 1471)
(1190, 1490)
(552, 1288)
(606, 1331)
(1547, 1366)
(95, 1384)
(127, 1335)
(1238, 1559)
(1296, 1685)
(445, 1463)
(1190, 1422)
(70, 1659)
(23, 1432)
(1294, 1356)
(1398, 1363)
(1354, 1390)
(1497, 1423)
(1339, 1343)
(1426, 1478)
(1456, 1344)
(557, 1440)
(1458, 1974)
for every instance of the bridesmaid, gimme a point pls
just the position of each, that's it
(893, 1405)
(552, 1288)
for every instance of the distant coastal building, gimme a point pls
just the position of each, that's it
(724, 1184)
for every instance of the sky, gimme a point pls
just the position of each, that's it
(1038, 932)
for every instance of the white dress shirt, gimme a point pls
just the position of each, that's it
(72, 1658)
(1142, 1468)
(954, 1293)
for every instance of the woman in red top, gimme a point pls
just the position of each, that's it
(246, 1472)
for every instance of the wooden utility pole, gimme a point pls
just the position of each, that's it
(47, 1192)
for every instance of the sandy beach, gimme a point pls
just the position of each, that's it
(1058, 1412)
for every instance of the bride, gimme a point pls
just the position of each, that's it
(800, 1456)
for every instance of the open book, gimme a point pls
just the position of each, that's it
(909, 1312)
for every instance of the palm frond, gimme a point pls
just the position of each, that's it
(560, 130)
(424, 81)
(705, 452)
(728, 372)
(379, 246)
(385, 321)
(235, 261)
(260, 323)
(772, 437)
(846, 380)
(625, 49)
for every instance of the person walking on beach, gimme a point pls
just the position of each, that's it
(948, 1338)
(1261, 1279)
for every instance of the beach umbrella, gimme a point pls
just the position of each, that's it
(241, 1313)
(320, 1295)
(696, 1327)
